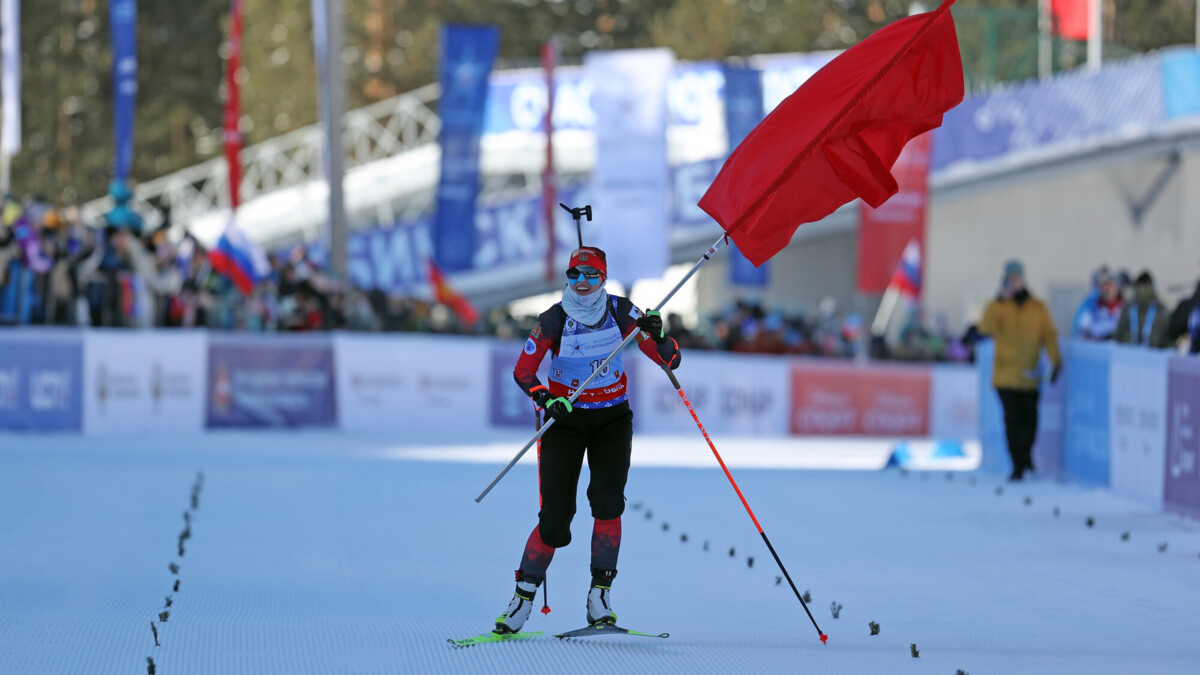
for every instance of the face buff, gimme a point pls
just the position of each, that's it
(587, 310)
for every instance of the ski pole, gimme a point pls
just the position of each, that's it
(742, 497)
(598, 369)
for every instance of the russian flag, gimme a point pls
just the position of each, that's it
(907, 277)
(239, 259)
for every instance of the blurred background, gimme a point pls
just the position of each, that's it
(1071, 153)
(171, 208)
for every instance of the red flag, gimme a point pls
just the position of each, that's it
(837, 136)
(1070, 18)
(233, 135)
(886, 231)
(444, 293)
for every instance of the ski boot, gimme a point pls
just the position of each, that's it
(598, 608)
(513, 618)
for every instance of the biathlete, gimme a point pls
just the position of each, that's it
(579, 333)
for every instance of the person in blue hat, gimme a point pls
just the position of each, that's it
(1021, 328)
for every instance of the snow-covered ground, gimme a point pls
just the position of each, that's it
(318, 552)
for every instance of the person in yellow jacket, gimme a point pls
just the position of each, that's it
(1020, 326)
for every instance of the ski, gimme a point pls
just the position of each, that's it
(491, 637)
(599, 629)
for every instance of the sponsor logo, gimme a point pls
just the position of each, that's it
(530, 346)
(574, 383)
(49, 390)
(222, 389)
(536, 332)
(893, 413)
(635, 312)
(10, 384)
(372, 388)
(101, 387)
(113, 386)
(825, 420)
(859, 401)
(156, 385)
(428, 383)
(376, 381)
(738, 402)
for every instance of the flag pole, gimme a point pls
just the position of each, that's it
(749, 511)
(1095, 40)
(712, 250)
(886, 307)
(1045, 41)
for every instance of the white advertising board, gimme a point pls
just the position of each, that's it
(954, 402)
(420, 385)
(1137, 419)
(138, 381)
(731, 394)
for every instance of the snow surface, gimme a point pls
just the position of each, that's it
(318, 552)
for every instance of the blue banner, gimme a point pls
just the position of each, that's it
(1071, 108)
(468, 53)
(743, 111)
(41, 381)
(1086, 436)
(123, 33)
(255, 382)
(996, 459)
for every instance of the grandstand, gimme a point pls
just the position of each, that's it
(1016, 171)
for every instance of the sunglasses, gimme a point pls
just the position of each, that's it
(593, 278)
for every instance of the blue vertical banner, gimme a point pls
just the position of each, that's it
(123, 33)
(468, 53)
(743, 111)
(1086, 451)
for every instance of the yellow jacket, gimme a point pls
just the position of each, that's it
(1020, 331)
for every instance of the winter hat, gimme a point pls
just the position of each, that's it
(1144, 279)
(1014, 268)
(589, 256)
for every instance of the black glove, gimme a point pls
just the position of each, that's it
(651, 323)
(557, 408)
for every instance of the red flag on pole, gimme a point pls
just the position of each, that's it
(885, 232)
(444, 293)
(233, 135)
(838, 135)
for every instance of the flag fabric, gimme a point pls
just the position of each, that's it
(10, 79)
(743, 112)
(884, 232)
(123, 35)
(467, 56)
(1069, 18)
(444, 293)
(837, 136)
(239, 259)
(233, 98)
(907, 276)
(630, 182)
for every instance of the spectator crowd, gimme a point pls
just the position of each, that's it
(57, 270)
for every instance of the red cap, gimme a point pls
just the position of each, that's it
(589, 256)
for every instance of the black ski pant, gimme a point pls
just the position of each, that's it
(605, 436)
(1020, 426)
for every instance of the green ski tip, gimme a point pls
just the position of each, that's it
(492, 637)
